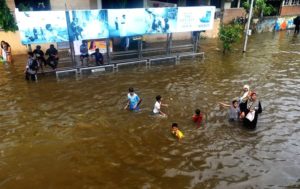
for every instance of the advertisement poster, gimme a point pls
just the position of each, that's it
(42, 26)
(91, 45)
(126, 22)
(88, 24)
(160, 20)
(195, 18)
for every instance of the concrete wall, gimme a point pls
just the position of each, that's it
(71, 4)
(269, 24)
(290, 10)
(230, 14)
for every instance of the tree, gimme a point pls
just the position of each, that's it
(230, 34)
(260, 9)
(7, 20)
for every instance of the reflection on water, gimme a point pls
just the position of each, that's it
(75, 133)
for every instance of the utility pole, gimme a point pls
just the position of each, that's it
(248, 26)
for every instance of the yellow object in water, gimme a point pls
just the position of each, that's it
(179, 134)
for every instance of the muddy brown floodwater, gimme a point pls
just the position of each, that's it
(75, 133)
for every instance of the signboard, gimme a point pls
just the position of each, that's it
(42, 26)
(92, 45)
(195, 18)
(126, 22)
(87, 24)
(77, 25)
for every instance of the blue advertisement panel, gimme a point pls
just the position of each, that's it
(42, 26)
(59, 26)
(160, 20)
(126, 22)
(195, 18)
(87, 24)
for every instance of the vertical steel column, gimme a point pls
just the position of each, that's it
(140, 47)
(108, 51)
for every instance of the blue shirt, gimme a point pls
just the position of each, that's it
(133, 101)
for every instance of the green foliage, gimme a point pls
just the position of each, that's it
(260, 9)
(230, 34)
(23, 7)
(7, 20)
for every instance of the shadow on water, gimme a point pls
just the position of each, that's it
(75, 133)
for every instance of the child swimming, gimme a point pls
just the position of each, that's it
(176, 132)
(134, 100)
(198, 118)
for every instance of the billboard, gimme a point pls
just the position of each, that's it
(195, 18)
(42, 26)
(126, 22)
(92, 45)
(87, 24)
(161, 20)
(76, 25)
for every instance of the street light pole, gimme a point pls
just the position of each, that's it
(248, 26)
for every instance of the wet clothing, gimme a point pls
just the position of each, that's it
(52, 60)
(133, 101)
(246, 107)
(234, 113)
(297, 24)
(40, 55)
(99, 58)
(198, 119)
(156, 109)
(31, 69)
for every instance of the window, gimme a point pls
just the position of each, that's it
(291, 2)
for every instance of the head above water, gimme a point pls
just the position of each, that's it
(158, 98)
(235, 103)
(246, 88)
(253, 96)
(197, 111)
(131, 90)
(174, 126)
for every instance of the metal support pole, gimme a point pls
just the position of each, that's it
(171, 43)
(140, 47)
(29, 48)
(71, 44)
(108, 51)
(167, 47)
(195, 40)
(248, 26)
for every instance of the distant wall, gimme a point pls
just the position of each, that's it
(230, 14)
(290, 10)
(269, 24)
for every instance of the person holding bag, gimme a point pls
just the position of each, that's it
(250, 111)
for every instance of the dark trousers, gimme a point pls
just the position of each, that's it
(297, 28)
(29, 76)
(52, 62)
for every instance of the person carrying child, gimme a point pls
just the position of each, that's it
(176, 132)
(198, 118)
(134, 100)
(157, 105)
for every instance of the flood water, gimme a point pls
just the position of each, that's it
(74, 133)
